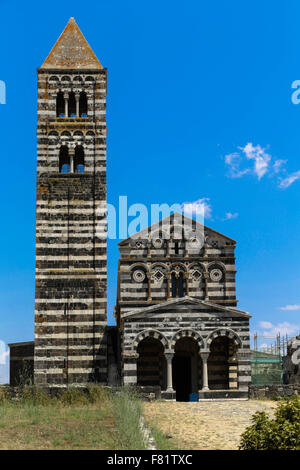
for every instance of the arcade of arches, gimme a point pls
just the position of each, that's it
(187, 369)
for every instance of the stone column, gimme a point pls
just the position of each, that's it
(77, 97)
(149, 286)
(168, 248)
(205, 276)
(130, 367)
(204, 357)
(72, 157)
(169, 358)
(187, 290)
(66, 98)
(168, 276)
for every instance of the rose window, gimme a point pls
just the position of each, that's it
(216, 275)
(139, 275)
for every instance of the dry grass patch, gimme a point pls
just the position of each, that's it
(204, 425)
(57, 427)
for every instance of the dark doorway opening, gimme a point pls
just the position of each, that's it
(182, 377)
(185, 368)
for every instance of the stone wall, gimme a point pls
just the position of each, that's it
(272, 391)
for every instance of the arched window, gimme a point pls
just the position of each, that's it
(83, 105)
(177, 285)
(60, 105)
(72, 105)
(79, 160)
(64, 160)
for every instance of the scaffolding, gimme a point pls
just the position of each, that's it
(267, 360)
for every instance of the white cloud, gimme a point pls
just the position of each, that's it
(231, 215)
(265, 324)
(4, 363)
(278, 164)
(286, 182)
(238, 163)
(290, 307)
(260, 156)
(233, 160)
(200, 206)
(285, 328)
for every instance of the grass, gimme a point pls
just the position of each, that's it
(127, 412)
(74, 420)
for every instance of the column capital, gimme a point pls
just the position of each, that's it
(169, 355)
(204, 355)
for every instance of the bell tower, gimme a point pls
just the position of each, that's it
(71, 273)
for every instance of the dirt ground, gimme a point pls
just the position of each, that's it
(209, 425)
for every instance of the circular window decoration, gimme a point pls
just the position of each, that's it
(157, 243)
(216, 274)
(139, 244)
(139, 275)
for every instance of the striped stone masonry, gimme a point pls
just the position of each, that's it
(176, 310)
(71, 274)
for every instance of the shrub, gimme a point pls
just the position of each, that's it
(73, 396)
(280, 433)
(34, 396)
(97, 394)
(4, 396)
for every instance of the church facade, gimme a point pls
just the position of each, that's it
(178, 330)
(176, 311)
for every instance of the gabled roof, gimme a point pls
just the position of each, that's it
(71, 51)
(187, 300)
(169, 220)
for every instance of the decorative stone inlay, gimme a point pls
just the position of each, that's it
(216, 274)
(196, 275)
(158, 243)
(139, 244)
(139, 275)
(158, 275)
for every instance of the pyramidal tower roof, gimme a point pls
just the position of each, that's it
(71, 51)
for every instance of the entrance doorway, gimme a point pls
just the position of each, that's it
(185, 368)
(182, 377)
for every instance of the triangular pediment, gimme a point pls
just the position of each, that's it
(171, 304)
(71, 51)
(177, 220)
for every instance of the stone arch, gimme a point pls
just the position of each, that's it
(187, 332)
(196, 265)
(139, 265)
(181, 265)
(159, 264)
(149, 334)
(224, 332)
(217, 263)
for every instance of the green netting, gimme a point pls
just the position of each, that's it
(266, 368)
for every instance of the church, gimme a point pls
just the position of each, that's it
(178, 333)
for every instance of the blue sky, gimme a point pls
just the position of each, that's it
(199, 106)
